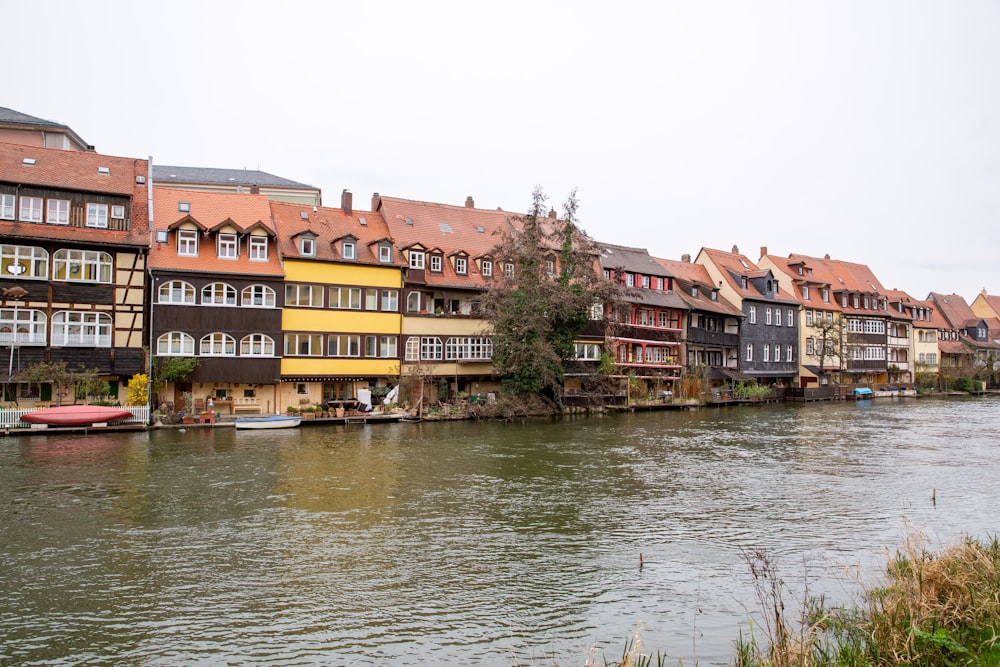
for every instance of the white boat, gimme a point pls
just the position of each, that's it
(276, 421)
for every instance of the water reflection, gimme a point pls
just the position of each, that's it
(464, 543)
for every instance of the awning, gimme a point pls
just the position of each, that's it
(815, 370)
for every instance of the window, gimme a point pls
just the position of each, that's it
(81, 329)
(487, 269)
(777, 353)
(805, 291)
(743, 282)
(767, 352)
(791, 318)
(260, 296)
(344, 346)
(31, 209)
(810, 347)
(788, 353)
(461, 265)
(303, 345)
(417, 259)
(777, 317)
(117, 212)
(228, 246)
(187, 243)
(345, 298)
(413, 348)
(694, 291)
(371, 299)
(176, 291)
(175, 344)
(825, 293)
(550, 266)
(749, 352)
(752, 314)
(257, 345)
(508, 269)
(587, 351)
(308, 296)
(81, 266)
(7, 207)
(630, 279)
(413, 302)
(348, 249)
(597, 311)
(390, 300)
(97, 215)
(258, 248)
(307, 246)
(430, 348)
(645, 282)
(469, 348)
(436, 263)
(809, 318)
(380, 346)
(23, 326)
(767, 315)
(19, 261)
(58, 212)
(218, 344)
(218, 294)
(385, 253)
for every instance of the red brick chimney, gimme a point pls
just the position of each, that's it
(375, 201)
(763, 250)
(736, 249)
(347, 201)
(552, 214)
(254, 189)
(685, 257)
(469, 203)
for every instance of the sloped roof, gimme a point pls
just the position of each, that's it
(732, 264)
(449, 229)
(687, 275)
(214, 176)
(954, 309)
(328, 225)
(633, 260)
(13, 117)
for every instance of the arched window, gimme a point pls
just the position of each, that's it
(218, 294)
(260, 296)
(175, 344)
(30, 326)
(257, 345)
(218, 344)
(81, 266)
(81, 329)
(176, 291)
(19, 261)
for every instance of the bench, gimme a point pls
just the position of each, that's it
(246, 405)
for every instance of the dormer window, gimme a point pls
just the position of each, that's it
(694, 291)
(416, 259)
(487, 268)
(385, 253)
(307, 246)
(550, 266)
(715, 295)
(461, 265)
(228, 246)
(769, 287)
(348, 249)
(825, 293)
(805, 292)
(743, 282)
(436, 263)
(630, 279)
(258, 248)
(645, 282)
(508, 269)
(187, 243)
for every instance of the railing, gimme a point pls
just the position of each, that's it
(11, 417)
(22, 338)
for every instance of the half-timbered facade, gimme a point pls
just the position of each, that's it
(216, 294)
(74, 238)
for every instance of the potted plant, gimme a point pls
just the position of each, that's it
(291, 410)
(307, 413)
(187, 405)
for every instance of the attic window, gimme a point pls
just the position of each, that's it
(28, 162)
(744, 263)
(303, 215)
(445, 227)
(715, 295)
(104, 171)
(362, 221)
(184, 207)
(480, 229)
(409, 221)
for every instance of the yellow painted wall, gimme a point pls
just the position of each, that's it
(443, 326)
(304, 366)
(328, 273)
(324, 320)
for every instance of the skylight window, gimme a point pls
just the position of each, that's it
(28, 162)
(445, 227)
(409, 221)
(184, 207)
(480, 229)
(362, 221)
(104, 171)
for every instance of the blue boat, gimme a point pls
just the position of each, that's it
(862, 392)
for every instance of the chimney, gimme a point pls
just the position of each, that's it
(552, 214)
(736, 249)
(763, 250)
(347, 201)
(375, 201)
(469, 203)
(686, 258)
(254, 189)
(826, 256)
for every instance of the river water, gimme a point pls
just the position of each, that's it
(461, 543)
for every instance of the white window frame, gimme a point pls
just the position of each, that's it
(487, 268)
(175, 344)
(767, 315)
(75, 328)
(413, 302)
(416, 259)
(219, 294)
(217, 344)
(176, 291)
(461, 266)
(385, 253)
(348, 249)
(307, 246)
(187, 242)
(344, 345)
(791, 317)
(431, 348)
(258, 296)
(413, 348)
(303, 345)
(97, 215)
(345, 298)
(256, 345)
(789, 353)
(30, 327)
(257, 248)
(89, 266)
(390, 300)
(749, 352)
(24, 262)
(766, 354)
(31, 209)
(304, 296)
(437, 264)
(752, 314)
(8, 207)
(57, 211)
(228, 246)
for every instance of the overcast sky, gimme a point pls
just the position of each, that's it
(867, 130)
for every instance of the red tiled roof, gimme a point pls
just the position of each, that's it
(329, 225)
(210, 210)
(737, 264)
(954, 308)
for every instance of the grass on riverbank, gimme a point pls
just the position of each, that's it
(931, 610)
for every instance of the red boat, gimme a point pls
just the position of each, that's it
(76, 415)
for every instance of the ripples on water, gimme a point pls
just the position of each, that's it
(464, 543)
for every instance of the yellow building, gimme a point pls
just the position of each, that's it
(341, 315)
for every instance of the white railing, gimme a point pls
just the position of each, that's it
(11, 417)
